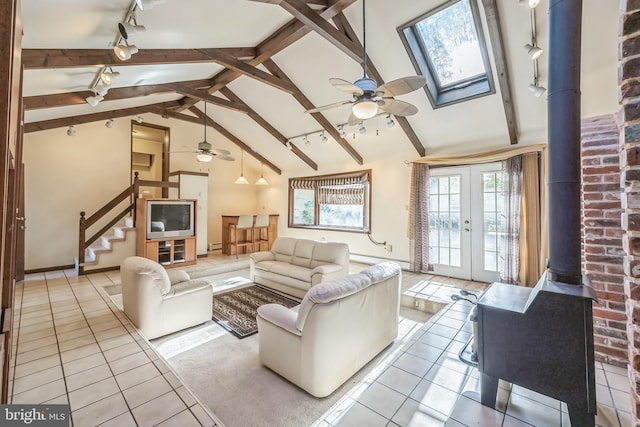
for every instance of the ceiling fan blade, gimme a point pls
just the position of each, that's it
(326, 107)
(227, 157)
(398, 108)
(220, 152)
(401, 86)
(182, 152)
(345, 86)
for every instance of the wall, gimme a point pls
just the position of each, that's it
(602, 236)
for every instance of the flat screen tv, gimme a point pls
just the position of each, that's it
(170, 218)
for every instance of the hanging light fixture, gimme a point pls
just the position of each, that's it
(261, 180)
(205, 148)
(241, 179)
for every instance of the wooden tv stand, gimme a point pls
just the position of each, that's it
(167, 251)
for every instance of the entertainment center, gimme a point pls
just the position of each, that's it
(166, 231)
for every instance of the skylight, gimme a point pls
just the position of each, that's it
(446, 47)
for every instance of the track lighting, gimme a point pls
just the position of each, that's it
(147, 4)
(533, 51)
(537, 90)
(124, 51)
(127, 30)
(71, 131)
(530, 3)
(288, 145)
(390, 122)
(107, 76)
(323, 137)
(362, 129)
(109, 123)
(94, 100)
(343, 133)
(139, 119)
(306, 141)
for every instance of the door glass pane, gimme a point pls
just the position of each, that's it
(493, 219)
(444, 220)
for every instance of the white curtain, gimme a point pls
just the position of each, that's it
(419, 218)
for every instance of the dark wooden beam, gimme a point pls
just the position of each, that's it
(308, 105)
(115, 93)
(74, 58)
(224, 132)
(312, 19)
(500, 59)
(89, 118)
(267, 126)
(343, 24)
(203, 95)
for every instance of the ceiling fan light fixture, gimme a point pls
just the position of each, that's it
(365, 109)
(124, 52)
(204, 157)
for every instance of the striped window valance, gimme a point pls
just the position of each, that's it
(336, 190)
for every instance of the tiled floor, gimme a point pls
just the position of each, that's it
(73, 345)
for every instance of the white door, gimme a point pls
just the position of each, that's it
(465, 220)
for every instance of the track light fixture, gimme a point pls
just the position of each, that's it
(289, 145)
(71, 131)
(107, 76)
(343, 133)
(99, 92)
(139, 119)
(530, 3)
(147, 4)
(362, 129)
(534, 51)
(124, 51)
(323, 137)
(127, 30)
(390, 122)
(109, 123)
(306, 141)
(537, 90)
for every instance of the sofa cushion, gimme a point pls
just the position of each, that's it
(329, 253)
(283, 248)
(290, 270)
(330, 291)
(303, 253)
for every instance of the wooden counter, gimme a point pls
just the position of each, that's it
(233, 219)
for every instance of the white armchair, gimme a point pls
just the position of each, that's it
(159, 302)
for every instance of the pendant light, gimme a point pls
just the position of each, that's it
(261, 180)
(241, 179)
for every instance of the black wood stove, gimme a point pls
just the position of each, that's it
(542, 338)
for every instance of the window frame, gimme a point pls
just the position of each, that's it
(366, 210)
(452, 93)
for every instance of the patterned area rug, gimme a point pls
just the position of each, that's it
(236, 310)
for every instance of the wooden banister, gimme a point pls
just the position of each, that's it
(133, 192)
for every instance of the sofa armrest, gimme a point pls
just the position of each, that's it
(281, 316)
(326, 272)
(187, 287)
(177, 276)
(262, 256)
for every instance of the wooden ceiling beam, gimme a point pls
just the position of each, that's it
(343, 24)
(311, 18)
(308, 105)
(74, 58)
(203, 95)
(89, 118)
(500, 60)
(115, 93)
(267, 126)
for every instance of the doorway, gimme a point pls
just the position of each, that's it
(150, 156)
(466, 221)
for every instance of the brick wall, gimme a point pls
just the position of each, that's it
(602, 236)
(629, 74)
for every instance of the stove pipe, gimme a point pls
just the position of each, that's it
(565, 17)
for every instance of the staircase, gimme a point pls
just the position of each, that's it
(107, 252)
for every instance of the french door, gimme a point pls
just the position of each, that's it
(466, 221)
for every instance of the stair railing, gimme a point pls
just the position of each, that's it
(132, 192)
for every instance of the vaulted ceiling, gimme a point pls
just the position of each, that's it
(259, 64)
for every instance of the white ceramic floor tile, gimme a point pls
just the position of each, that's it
(413, 414)
(435, 396)
(146, 391)
(37, 379)
(92, 393)
(382, 399)
(533, 412)
(158, 410)
(84, 363)
(359, 415)
(100, 411)
(183, 419)
(41, 394)
(471, 413)
(87, 377)
(137, 375)
(399, 380)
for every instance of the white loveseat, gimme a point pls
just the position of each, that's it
(159, 301)
(339, 327)
(294, 265)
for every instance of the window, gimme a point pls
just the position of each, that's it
(446, 47)
(336, 202)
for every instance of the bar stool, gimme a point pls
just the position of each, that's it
(244, 226)
(261, 232)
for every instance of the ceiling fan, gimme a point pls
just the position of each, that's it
(368, 97)
(205, 152)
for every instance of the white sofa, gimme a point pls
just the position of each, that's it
(294, 265)
(158, 301)
(339, 327)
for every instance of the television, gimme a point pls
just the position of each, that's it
(170, 218)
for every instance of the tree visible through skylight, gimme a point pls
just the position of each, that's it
(451, 41)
